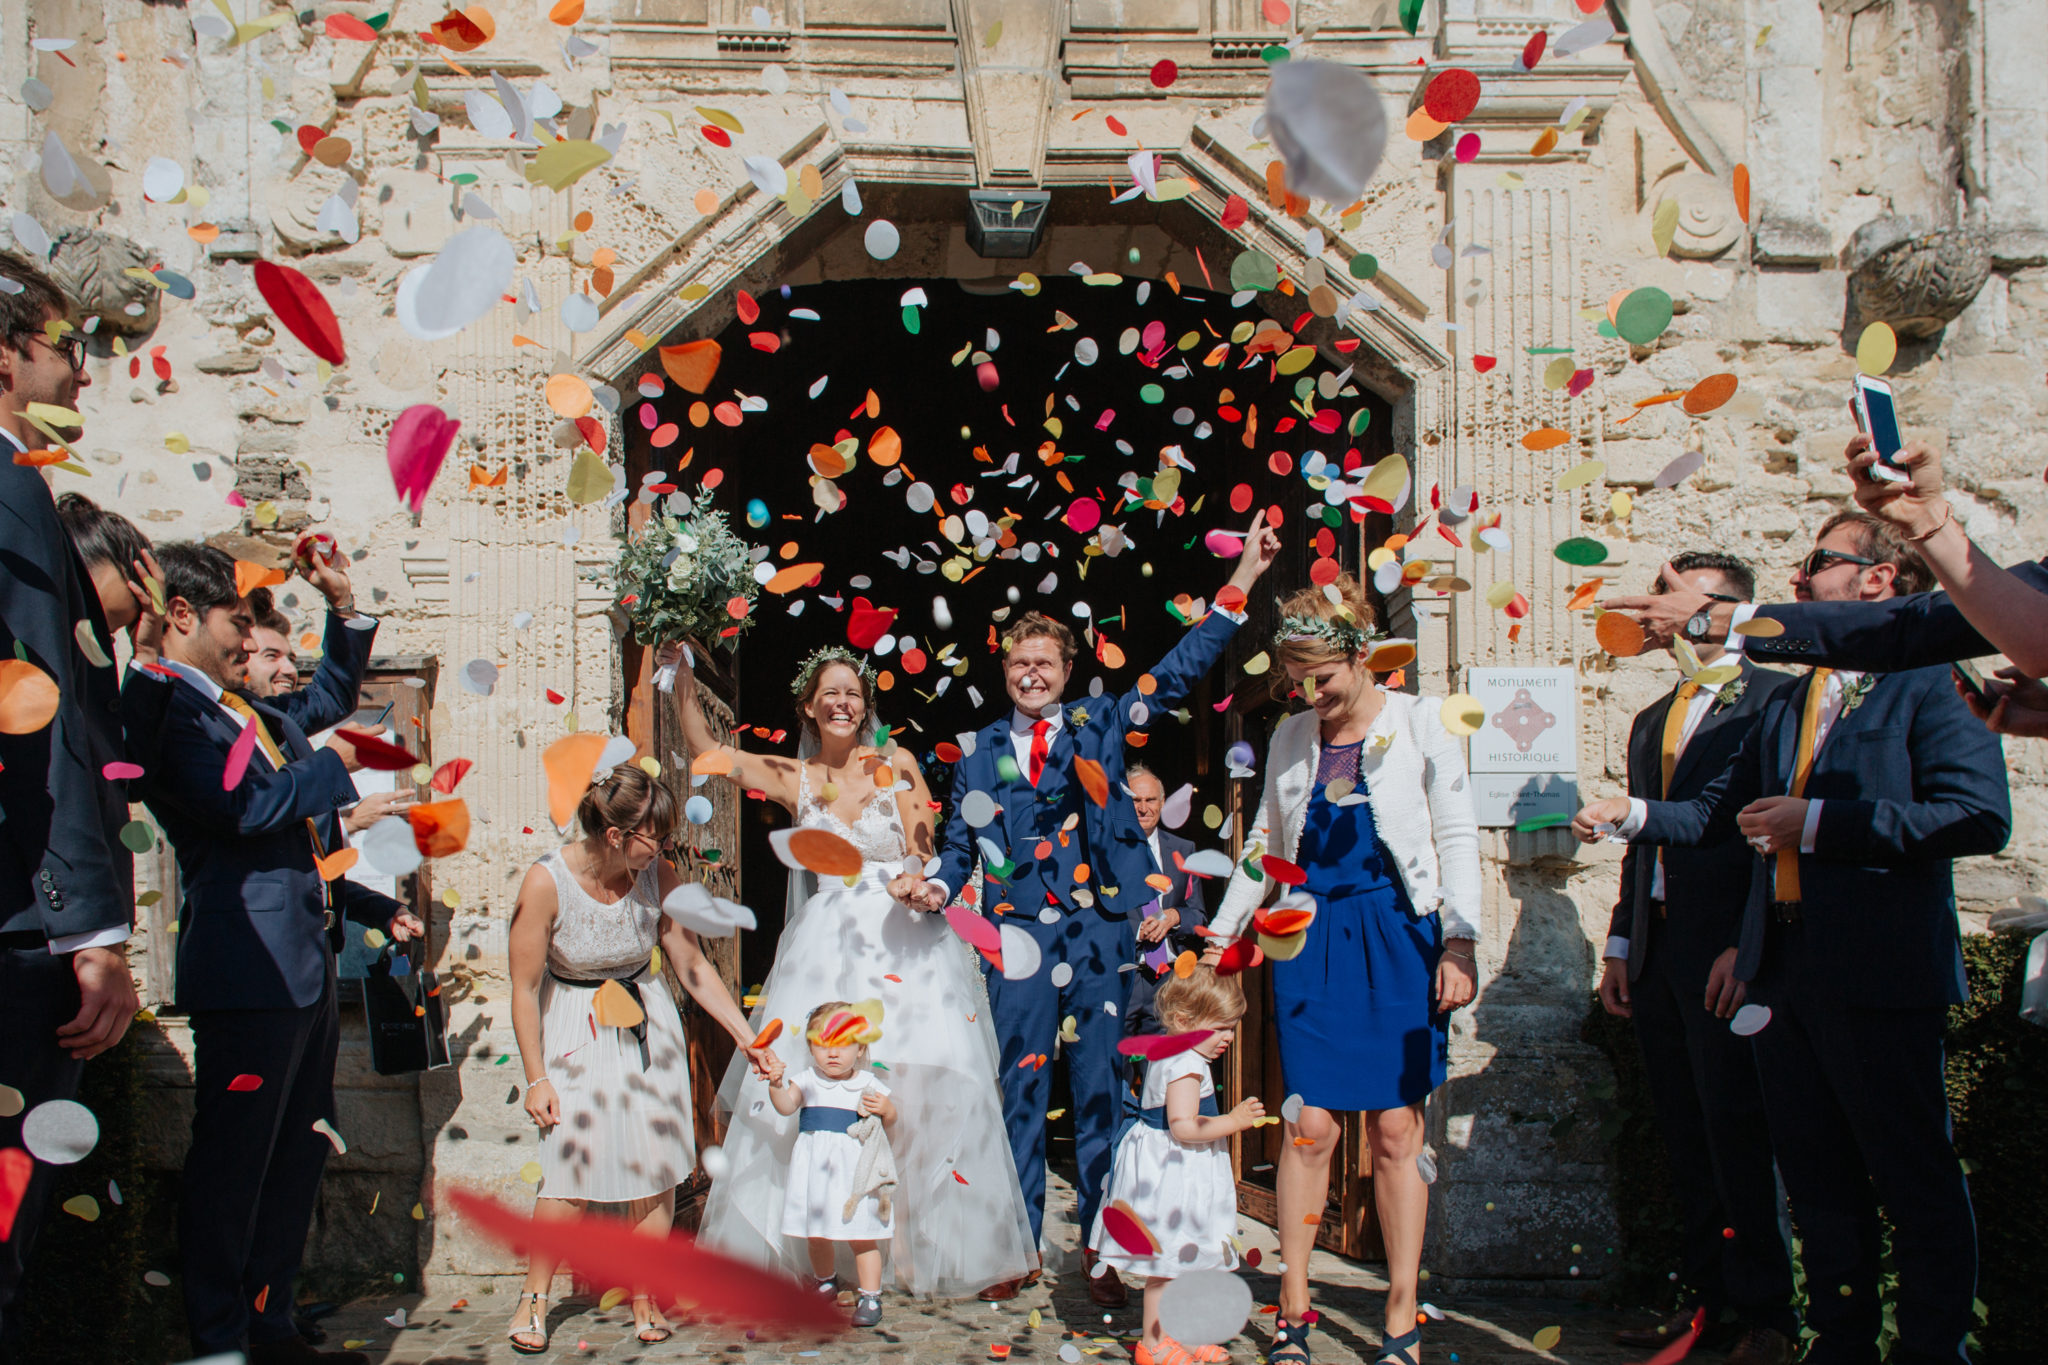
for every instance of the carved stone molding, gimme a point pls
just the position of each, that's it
(1919, 283)
(88, 263)
(1708, 224)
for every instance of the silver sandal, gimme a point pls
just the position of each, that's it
(536, 1325)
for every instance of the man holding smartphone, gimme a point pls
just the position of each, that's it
(1983, 609)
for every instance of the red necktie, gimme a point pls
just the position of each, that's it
(1039, 748)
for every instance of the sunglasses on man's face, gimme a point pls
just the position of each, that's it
(1819, 560)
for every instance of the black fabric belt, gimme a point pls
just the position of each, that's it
(824, 1118)
(1785, 912)
(632, 985)
(1155, 1117)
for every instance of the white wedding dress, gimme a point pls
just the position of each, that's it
(960, 1221)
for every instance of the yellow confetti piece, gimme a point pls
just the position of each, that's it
(530, 1173)
(1499, 595)
(1547, 1338)
(1761, 627)
(83, 1206)
(177, 442)
(419, 1213)
(611, 1299)
(1257, 664)
(1580, 475)
(1876, 349)
(1463, 714)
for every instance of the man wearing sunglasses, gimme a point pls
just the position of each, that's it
(67, 892)
(1857, 790)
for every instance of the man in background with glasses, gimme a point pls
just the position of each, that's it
(67, 890)
(1857, 791)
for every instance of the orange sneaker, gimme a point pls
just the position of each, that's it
(1171, 1352)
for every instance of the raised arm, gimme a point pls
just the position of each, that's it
(773, 776)
(1175, 676)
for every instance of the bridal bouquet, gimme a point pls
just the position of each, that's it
(686, 575)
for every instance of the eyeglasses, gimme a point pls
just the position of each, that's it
(1819, 560)
(665, 844)
(72, 348)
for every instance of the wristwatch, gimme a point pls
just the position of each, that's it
(1699, 623)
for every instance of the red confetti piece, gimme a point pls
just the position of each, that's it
(238, 760)
(16, 1166)
(1157, 1047)
(1483, 363)
(676, 1268)
(1235, 210)
(1282, 871)
(1452, 95)
(350, 27)
(1164, 73)
(1116, 125)
(245, 1081)
(301, 309)
(1532, 51)
(745, 308)
(373, 751)
(716, 135)
(867, 623)
(1122, 1222)
(449, 774)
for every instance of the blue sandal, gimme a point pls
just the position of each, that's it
(1398, 1349)
(1290, 1342)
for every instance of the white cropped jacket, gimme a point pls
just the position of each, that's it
(1414, 772)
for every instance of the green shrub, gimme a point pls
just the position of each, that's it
(1998, 1093)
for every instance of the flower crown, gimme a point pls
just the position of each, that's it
(823, 657)
(1346, 637)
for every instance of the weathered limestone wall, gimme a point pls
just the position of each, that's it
(1911, 111)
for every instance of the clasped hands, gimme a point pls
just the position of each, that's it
(916, 892)
(1771, 824)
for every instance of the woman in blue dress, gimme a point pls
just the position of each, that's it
(1366, 794)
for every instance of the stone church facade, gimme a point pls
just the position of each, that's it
(1896, 153)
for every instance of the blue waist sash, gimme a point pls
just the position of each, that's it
(1156, 1117)
(823, 1118)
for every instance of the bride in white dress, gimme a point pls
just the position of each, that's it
(960, 1220)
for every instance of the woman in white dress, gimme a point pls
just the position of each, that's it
(960, 1223)
(612, 1097)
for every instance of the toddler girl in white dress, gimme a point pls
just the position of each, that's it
(1172, 1169)
(841, 1172)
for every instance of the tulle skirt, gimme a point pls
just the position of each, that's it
(959, 1214)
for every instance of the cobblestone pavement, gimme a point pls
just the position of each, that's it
(438, 1332)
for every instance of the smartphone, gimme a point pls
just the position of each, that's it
(1878, 419)
(1972, 681)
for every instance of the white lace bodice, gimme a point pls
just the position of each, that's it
(877, 831)
(592, 939)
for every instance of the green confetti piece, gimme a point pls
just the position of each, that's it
(1643, 316)
(1152, 393)
(1581, 550)
(1360, 420)
(136, 837)
(1411, 15)
(1364, 266)
(1550, 821)
(377, 21)
(1254, 270)
(1547, 350)
(1274, 53)
(911, 324)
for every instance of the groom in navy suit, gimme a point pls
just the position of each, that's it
(1071, 872)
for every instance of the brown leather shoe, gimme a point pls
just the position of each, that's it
(1107, 1289)
(1761, 1346)
(1716, 1336)
(1002, 1291)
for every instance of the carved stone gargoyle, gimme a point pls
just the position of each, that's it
(1919, 282)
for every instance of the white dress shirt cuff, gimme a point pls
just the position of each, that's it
(1811, 831)
(1617, 946)
(1743, 611)
(1638, 813)
(91, 938)
(934, 881)
(1227, 614)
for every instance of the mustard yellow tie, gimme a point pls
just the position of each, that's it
(1674, 729)
(277, 759)
(1802, 768)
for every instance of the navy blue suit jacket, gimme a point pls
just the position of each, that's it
(1185, 896)
(252, 930)
(1901, 632)
(1911, 780)
(63, 867)
(1705, 889)
(1108, 838)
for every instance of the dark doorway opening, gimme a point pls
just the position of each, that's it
(989, 450)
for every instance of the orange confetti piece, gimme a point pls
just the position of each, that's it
(792, 577)
(250, 576)
(569, 763)
(1094, 780)
(1619, 634)
(693, 365)
(40, 458)
(1742, 193)
(337, 863)
(1544, 438)
(440, 828)
(825, 853)
(1584, 594)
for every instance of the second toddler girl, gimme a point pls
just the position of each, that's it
(1172, 1168)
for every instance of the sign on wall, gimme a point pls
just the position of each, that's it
(1524, 758)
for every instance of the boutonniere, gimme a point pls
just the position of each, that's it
(1730, 693)
(1855, 690)
(1078, 717)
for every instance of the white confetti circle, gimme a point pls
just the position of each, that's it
(1021, 957)
(1749, 1020)
(977, 809)
(60, 1132)
(1205, 1307)
(1062, 973)
(882, 239)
